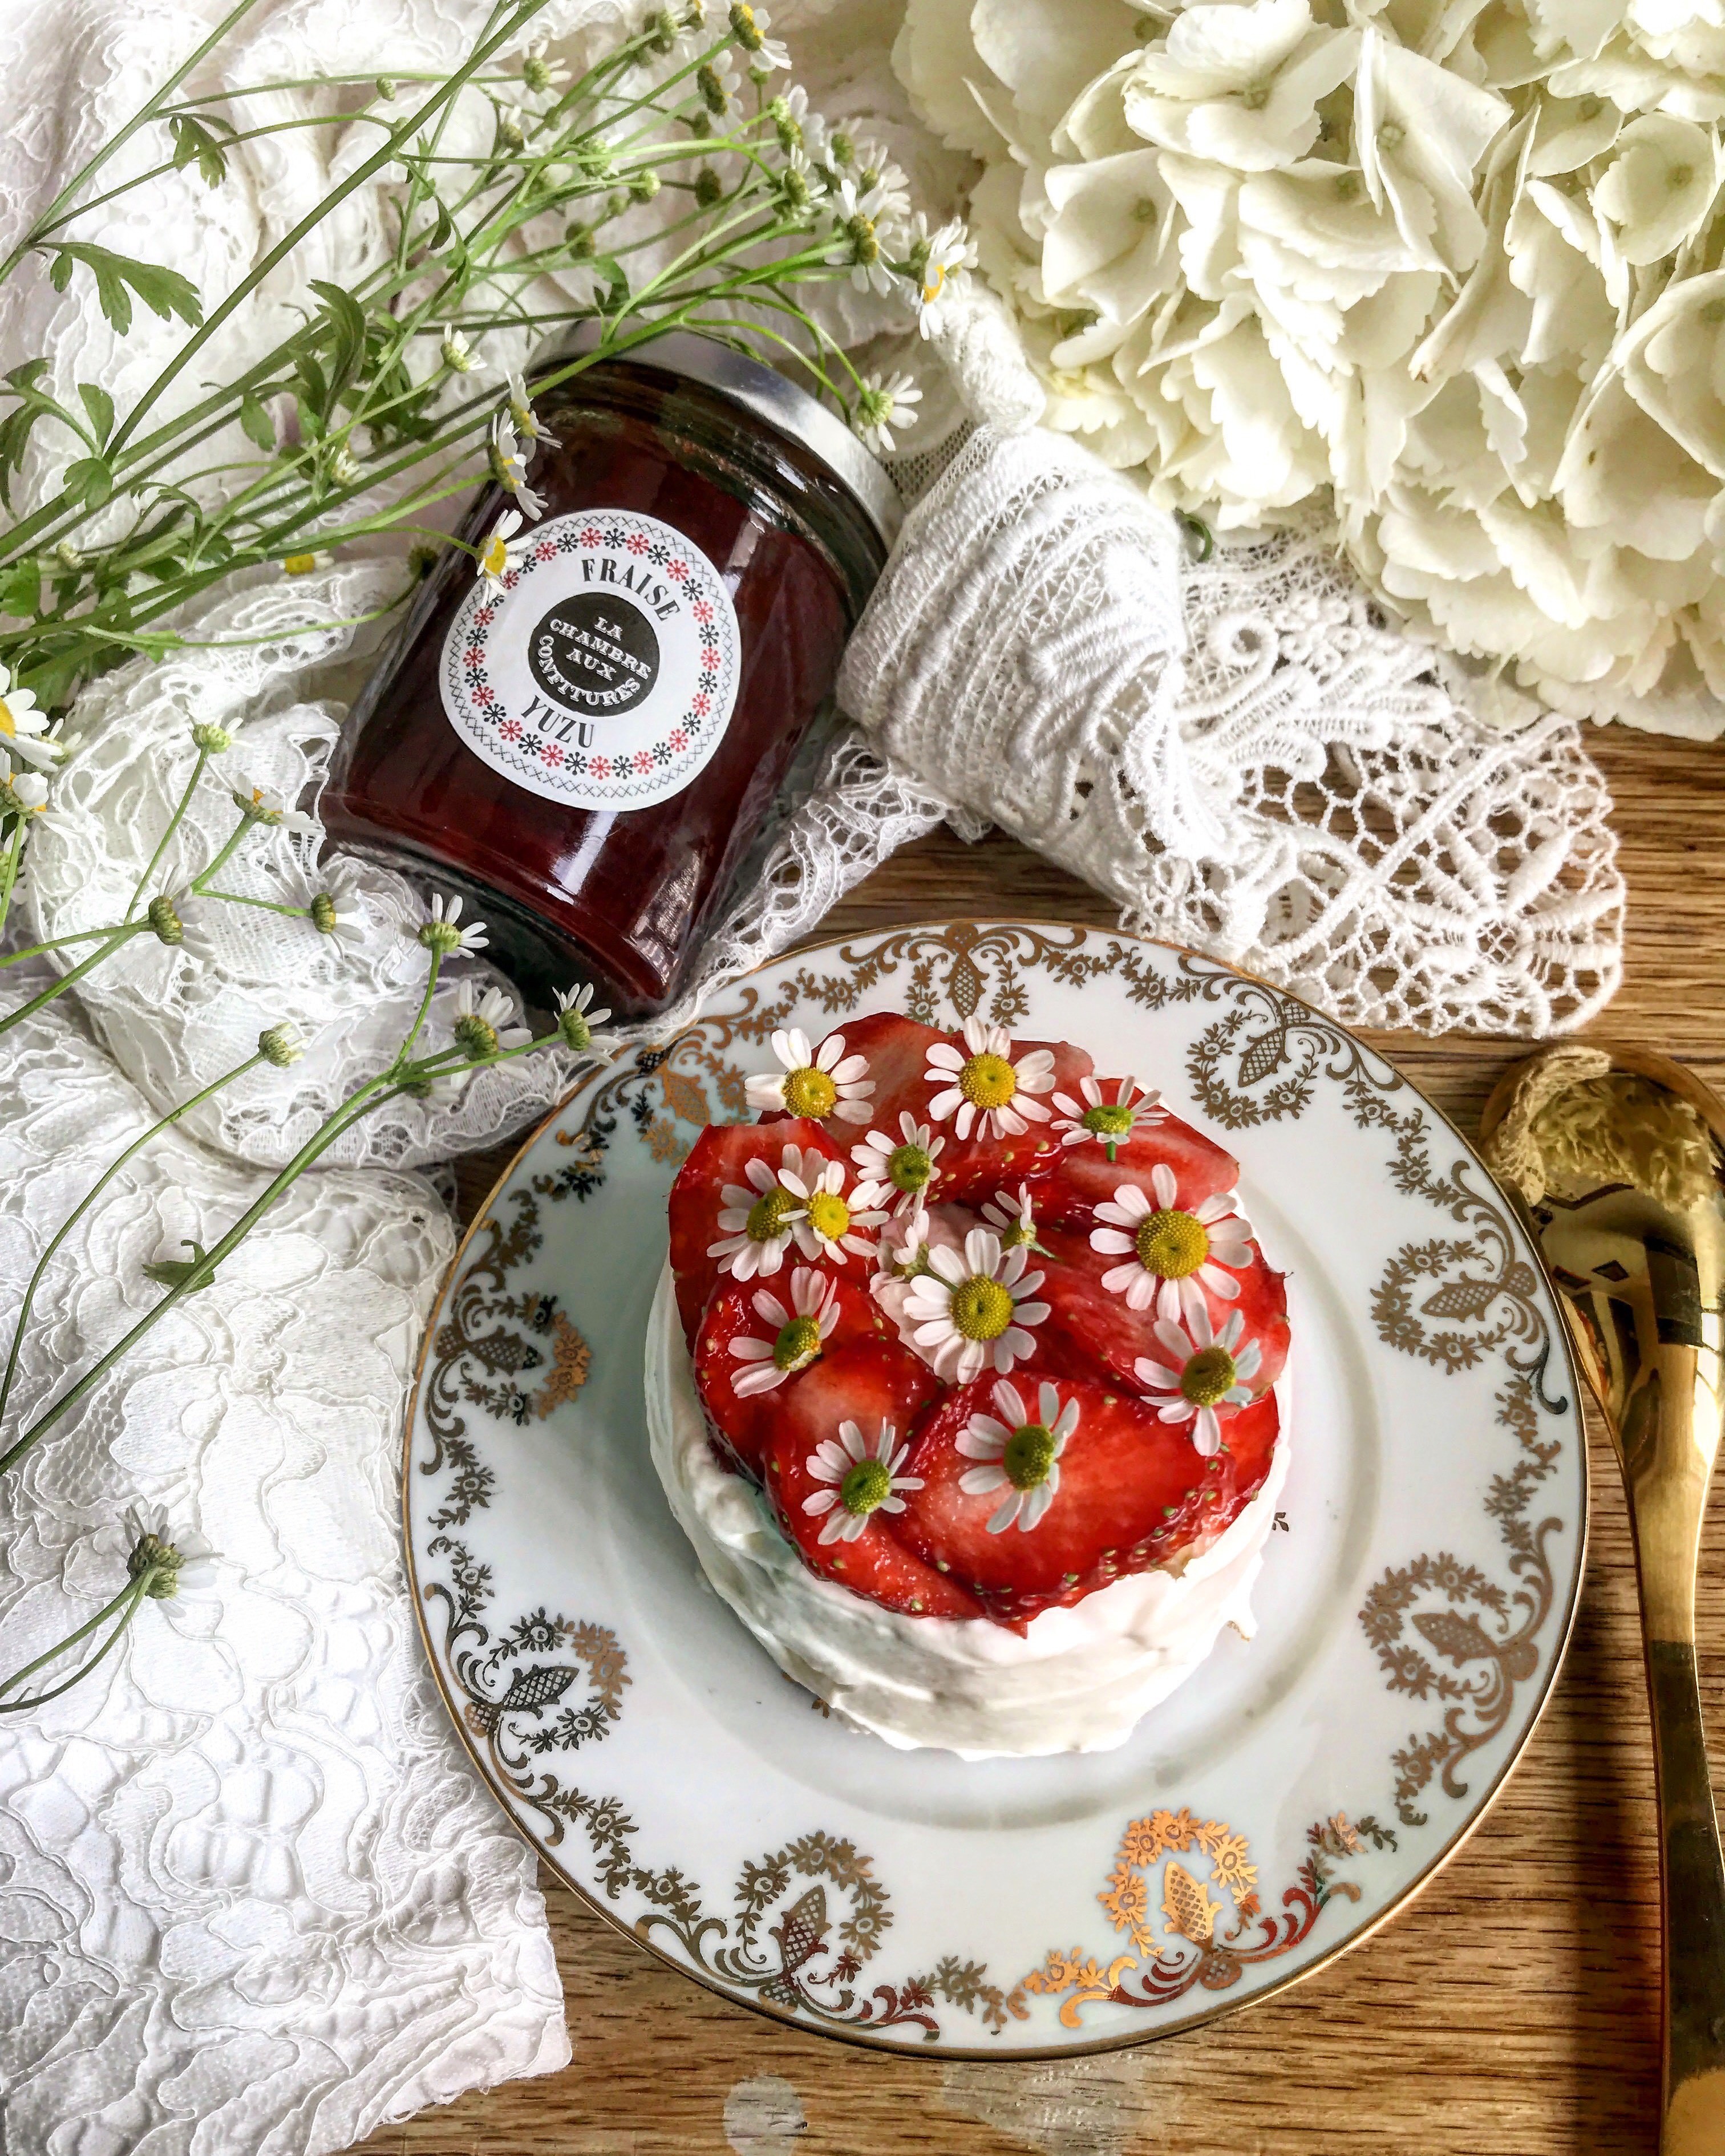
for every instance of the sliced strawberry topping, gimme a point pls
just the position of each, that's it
(745, 1393)
(1084, 1177)
(1089, 1322)
(866, 1385)
(1107, 1487)
(720, 1160)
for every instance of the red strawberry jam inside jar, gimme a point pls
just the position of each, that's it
(585, 754)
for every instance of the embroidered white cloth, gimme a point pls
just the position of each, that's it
(252, 1901)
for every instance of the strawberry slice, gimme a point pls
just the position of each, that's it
(1130, 1491)
(1084, 1177)
(745, 1393)
(1089, 1322)
(867, 1383)
(718, 1160)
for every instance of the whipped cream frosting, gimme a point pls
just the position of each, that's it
(1077, 1680)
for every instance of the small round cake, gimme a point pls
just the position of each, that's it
(964, 1381)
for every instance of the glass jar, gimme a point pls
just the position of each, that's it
(584, 749)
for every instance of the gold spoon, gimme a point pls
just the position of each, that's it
(1617, 1157)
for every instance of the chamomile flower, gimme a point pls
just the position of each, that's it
(458, 356)
(442, 934)
(1013, 1220)
(972, 1311)
(335, 910)
(884, 182)
(828, 1227)
(179, 1558)
(22, 792)
(861, 1480)
(543, 77)
(984, 1090)
(24, 735)
(1020, 1454)
(828, 1083)
(757, 1218)
(578, 1021)
(523, 418)
(718, 83)
(940, 263)
(1109, 1123)
(509, 468)
(497, 556)
(1205, 1370)
(881, 406)
(484, 1022)
(857, 217)
(905, 1173)
(271, 809)
(749, 26)
(1172, 1256)
(306, 564)
(798, 1333)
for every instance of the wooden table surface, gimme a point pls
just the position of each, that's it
(1510, 2010)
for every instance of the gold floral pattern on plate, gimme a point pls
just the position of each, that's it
(811, 1923)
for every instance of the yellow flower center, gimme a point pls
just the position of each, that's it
(767, 1215)
(931, 291)
(829, 1216)
(1028, 1456)
(810, 1092)
(1173, 1244)
(496, 558)
(1110, 1120)
(1207, 1377)
(866, 1486)
(1020, 1231)
(982, 1309)
(7, 725)
(797, 1344)
(987, 1081)
(298, 565)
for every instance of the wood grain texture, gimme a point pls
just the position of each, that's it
(1512, 2010)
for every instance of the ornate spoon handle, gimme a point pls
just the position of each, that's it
(1692, 1882)
(1669, 1431)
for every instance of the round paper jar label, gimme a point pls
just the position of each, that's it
(601, 669)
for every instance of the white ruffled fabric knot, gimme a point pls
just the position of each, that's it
(1238, 750)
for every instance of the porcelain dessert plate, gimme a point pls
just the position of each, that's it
(1412, 1612)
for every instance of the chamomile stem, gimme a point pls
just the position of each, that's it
(116, 937)
(88, 1199)
(167, 839)
(124, 1605)
(9, 865)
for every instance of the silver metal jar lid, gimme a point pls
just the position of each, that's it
(770, 397)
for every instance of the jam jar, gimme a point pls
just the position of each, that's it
(584, 752)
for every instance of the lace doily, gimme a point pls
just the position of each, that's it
(1238, 751)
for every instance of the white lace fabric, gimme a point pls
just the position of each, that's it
(252, 1895)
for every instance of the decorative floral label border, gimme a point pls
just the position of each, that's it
(804, 1921)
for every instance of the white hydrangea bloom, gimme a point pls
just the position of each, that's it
(1460, 273)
